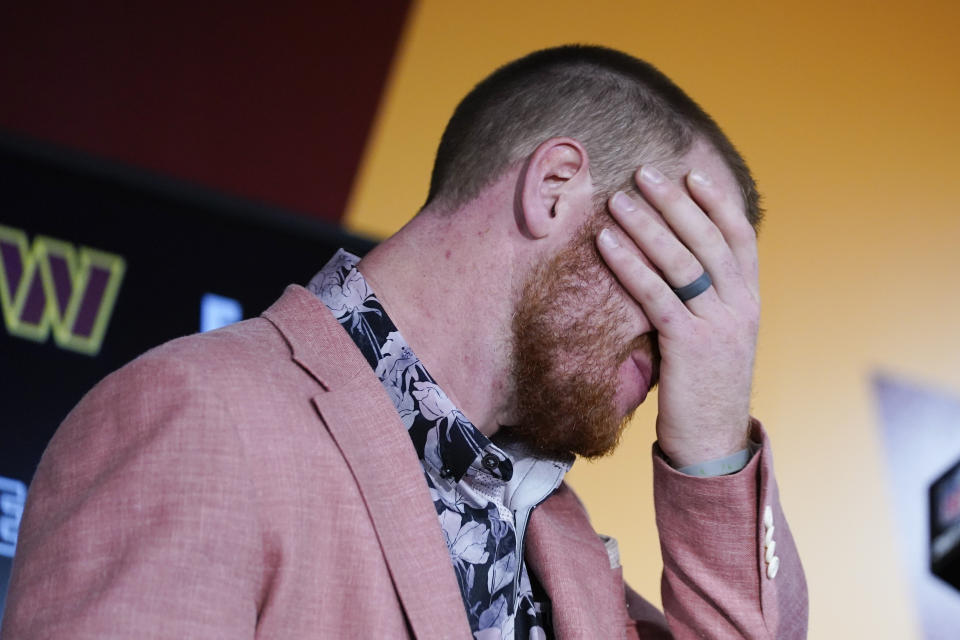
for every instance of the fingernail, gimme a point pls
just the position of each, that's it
(650, 174)
(700, 177)
(608, 240)
(623, 202)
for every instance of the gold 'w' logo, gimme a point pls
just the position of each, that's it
(53, 286)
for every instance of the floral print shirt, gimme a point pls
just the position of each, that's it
(483, 492)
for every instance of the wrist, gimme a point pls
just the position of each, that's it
(683, 453)
(722, 466)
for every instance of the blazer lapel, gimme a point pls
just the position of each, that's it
(387, 470)
(587, 596)
(364, 423)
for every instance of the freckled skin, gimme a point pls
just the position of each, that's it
(447, 254)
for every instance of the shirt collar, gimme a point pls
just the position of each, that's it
(442, 435)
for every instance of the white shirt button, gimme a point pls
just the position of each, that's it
(768, 537)
(773, 567)
(771, 547)
(768, 517)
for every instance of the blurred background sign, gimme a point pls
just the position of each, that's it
(920, 430)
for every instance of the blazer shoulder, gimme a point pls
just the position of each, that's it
(225, 365)
(215, 355)
(212, 385)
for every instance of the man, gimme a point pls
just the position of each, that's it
(381, 454)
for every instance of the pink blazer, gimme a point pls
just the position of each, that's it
(256, 482)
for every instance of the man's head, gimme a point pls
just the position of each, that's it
(584, 352)
(621, 109)
(583, 111)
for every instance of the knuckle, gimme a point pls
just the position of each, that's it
(671, 195)
(742, 230)
(635, 272)
(714, 235)
(684, 266)
(660, 294)
(637, 224)
(731, 269)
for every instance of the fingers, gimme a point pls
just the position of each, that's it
(660, 245)
(660, 304)
(698, 232)
(726, 210)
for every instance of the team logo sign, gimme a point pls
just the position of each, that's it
(53, 286)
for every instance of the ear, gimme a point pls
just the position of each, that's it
(555, 185)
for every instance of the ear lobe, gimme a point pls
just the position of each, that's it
(553, 177)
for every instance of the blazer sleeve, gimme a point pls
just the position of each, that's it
(139, 521)
(730, 564)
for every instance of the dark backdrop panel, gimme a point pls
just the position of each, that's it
(178, 244)
(267, 101)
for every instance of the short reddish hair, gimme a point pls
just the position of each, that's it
(623, 110)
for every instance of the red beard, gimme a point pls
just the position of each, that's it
(569, 341)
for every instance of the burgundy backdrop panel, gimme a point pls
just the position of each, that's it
(268, 101)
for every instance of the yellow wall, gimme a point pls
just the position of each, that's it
(848, 116)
